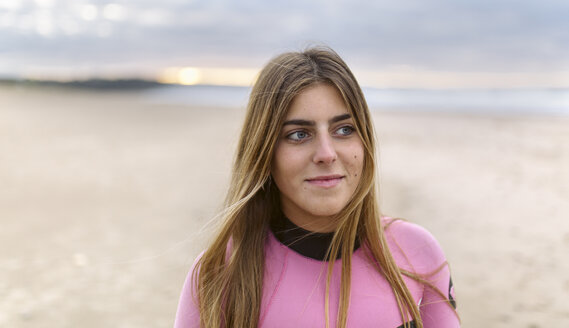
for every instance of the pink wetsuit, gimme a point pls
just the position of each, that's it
(294, 286)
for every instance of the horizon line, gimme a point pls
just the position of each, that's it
(134, 82)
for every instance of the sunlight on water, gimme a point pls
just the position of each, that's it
(189, 76)
(209, 76)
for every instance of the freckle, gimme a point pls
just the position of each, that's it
(356, 175)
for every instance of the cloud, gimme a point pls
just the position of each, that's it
(466, 36)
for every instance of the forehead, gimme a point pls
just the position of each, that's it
(319, 100)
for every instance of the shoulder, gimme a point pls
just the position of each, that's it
(412, 246)
(407, 231)
(187, 314)
(416, 250)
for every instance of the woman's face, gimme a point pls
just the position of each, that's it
(318, 159)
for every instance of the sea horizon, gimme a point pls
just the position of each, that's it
(534, 101)
(482, 101)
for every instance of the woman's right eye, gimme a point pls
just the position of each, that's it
(297, 135)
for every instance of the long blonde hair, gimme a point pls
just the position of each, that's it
(229, 275)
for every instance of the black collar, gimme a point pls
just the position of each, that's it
(307, 243)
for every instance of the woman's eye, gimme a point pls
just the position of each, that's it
(345, 130)
(297, 136)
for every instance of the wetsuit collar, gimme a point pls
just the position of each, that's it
(307, 243)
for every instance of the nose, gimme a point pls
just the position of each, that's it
(325, 151)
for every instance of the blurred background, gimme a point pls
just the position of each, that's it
(118, 122)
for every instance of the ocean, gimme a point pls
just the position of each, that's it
(549, 102)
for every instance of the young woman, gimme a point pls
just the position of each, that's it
(303, 243)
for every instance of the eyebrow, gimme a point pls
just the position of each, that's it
(312, 123)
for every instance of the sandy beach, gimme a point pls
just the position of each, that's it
(106, 199)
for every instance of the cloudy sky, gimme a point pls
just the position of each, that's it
(392, 43)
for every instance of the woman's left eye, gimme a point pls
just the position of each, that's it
(345, 130)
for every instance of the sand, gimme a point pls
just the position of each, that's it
(106, 199)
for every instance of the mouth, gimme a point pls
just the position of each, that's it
(325, 181)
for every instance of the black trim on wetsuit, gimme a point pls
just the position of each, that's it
(310, 244)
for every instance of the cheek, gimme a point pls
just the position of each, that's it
(286, 164)
(356, 162)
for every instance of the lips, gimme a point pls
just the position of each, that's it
(325, 181)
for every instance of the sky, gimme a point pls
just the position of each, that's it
(404, 43)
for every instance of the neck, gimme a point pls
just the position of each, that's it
(318, 225)
(308, 243)
(312, 223)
